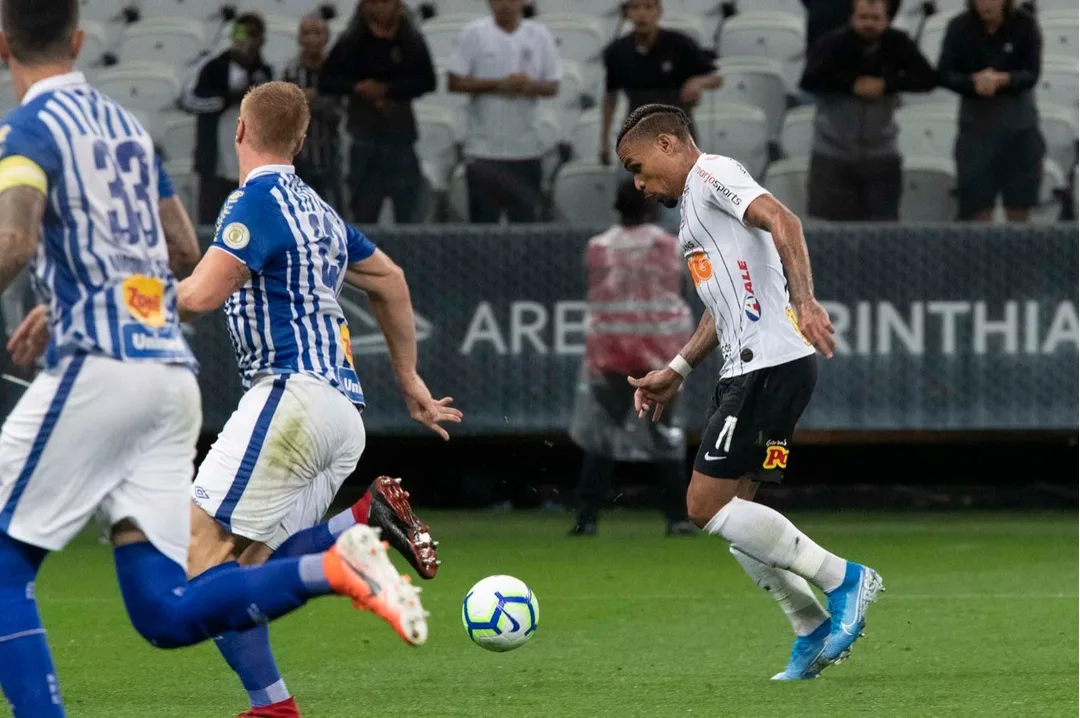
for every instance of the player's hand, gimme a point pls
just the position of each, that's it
(870, 88)
(28, 342)
(654, 391)
(425, 409)
(517, 83)
(815, 325)
(986, 82)
(691, 92)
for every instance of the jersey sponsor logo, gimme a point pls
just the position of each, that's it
(236, 236)
(144, 298)
(346, 344)
(752, 308)
(719, 186)
(776, 457)
(744, 275)
(141, 343)
(795, 323)
(700, 267)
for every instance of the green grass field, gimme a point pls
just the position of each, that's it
(979, 619)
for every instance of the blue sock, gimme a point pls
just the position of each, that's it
(170, 613)
(248, 654)
(27, 674)
(317, 538)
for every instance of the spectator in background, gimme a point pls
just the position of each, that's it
(856, 71)
(216, 85)
(637, 318)
(653, 65)
(824, 16)
(381, 63)
(991, 57)
(505, 63)
(319, 161)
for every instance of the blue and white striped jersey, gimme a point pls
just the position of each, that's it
(286, 319)
(103, 263)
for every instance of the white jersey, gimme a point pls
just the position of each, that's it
(736, 269)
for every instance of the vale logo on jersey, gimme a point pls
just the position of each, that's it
(752, 308)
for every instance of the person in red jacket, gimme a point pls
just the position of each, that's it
(637, 318)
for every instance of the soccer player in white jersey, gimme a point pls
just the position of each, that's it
(279, 260)
(109, 426)
(740, 243)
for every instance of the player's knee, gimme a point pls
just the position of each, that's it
(158, 619)
(700, 509)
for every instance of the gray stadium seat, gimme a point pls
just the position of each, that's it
(586, 136)
(777, 36)
(934, 34)
(578, 37)
(572, 93)
(176, 132)
(439, 138)
(103, 11)
(442, 97)
(1060, 132)
(585, 192)
(593, 8)
(197, 10)
(140, 86)
(443, 33)
(1061, 32)
(1058, 84)
(173, 42)
(281, 46)
(929, 190)
(927, 130)
(794, 8)
(296, 9)
(737, 131)
(787, 181)
(457, 195)
(797, 134)
(695, 26)
(754, 81)
(939, 96)
(184, 181)
(95, 44)
(1053, 182)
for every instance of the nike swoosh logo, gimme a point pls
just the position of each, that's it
(710, 457)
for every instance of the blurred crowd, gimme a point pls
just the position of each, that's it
(361, 151)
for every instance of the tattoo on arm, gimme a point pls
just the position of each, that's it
(703, 341)
(768, 214)
(180, 237)
(21, 209)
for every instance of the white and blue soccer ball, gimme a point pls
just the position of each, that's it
(500, 613)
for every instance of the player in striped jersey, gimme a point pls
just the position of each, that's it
(745, 250)
(279, 260)
(109, 426)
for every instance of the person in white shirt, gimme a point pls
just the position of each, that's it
(746, 251)
(505, 63)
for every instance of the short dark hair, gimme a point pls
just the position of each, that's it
(631, 204)
(653, 120)
(253, 22)
(40, 31)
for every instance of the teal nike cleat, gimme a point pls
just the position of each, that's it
(805, 654)
(847, 606)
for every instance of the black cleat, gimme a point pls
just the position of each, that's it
(584, 528)
(391, 512)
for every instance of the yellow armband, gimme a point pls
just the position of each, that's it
(18, 171)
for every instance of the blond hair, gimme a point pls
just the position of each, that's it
(276, 115)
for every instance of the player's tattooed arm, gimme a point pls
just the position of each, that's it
(180, 237)
(217, 276)
(21, 210)
(703, 341)
(767, 213)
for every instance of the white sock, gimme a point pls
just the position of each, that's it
(793, 593)
(766, 535)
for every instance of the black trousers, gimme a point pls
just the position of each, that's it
(213, 191)
(866, 190)
(594, 487)
(498, 185)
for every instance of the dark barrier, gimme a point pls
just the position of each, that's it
(940, 328)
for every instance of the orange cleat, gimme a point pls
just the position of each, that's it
(358, 567)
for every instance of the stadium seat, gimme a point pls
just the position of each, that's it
(777, 36)
(585, 193)
(1061, 32)
(573, 96)
(695, 26)
(1047, 6)
(787, 181)
(95, 44)
(929, 190)
(593, 8)
(707, 9)
(442, 97)
(797, 134)
(197, 10)
(296, 9)
(577, 37)
(103, 11)
(176, 132)
(794, 8)
(737, 131)
(184, 181)
(457, 195)
(754, 81)
(281, 45)
(174, 42)
(933, 35)
(927, 130)
(939, 96)
(147, 87)
(439, 137)
(1060, 132)
(1051, 195)
(1058, 84)
(443, 33)
(586, 136)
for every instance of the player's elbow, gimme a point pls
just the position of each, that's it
(19, 245)
(391, 284)
(192, 300)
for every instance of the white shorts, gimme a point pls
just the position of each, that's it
(281, 458)
(97, 434)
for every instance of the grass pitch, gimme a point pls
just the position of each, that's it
(979, 619)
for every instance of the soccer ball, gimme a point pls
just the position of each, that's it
(500, 613)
